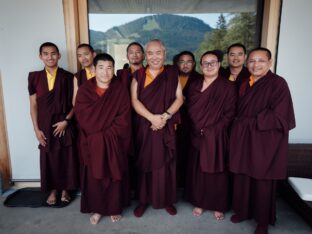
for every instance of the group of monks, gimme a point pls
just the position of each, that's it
(222, 135)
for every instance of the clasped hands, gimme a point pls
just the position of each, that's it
(159, 121)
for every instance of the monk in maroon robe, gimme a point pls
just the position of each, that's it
(156, 96)
(211, 106)
(102, 110)
(85, 55)
(236, 71)
(185, 61)
(259, 141)
(135, 56)
(51, 93)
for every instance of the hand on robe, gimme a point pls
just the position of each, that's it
(158, 122)
(60, 128)
(41, 137)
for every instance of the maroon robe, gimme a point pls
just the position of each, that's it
(81, 77)
(259, 145)
(58, 159)
(183, 133)
(104, 140)
(259, 136)
(156, 159)
(125, 77)
(241, 77)
(211, 113)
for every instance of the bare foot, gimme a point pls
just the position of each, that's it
(95, 218)
(65, 197)
(197, 211)
(219, 215)
(115, 218)
(52, 198)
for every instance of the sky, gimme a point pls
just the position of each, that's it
(103, 22)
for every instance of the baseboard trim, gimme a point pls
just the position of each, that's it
(24, 184)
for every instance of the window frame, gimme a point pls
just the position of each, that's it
(77, 28)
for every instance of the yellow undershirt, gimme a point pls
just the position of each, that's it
(183, 80)
(132, 70)
(251, 81)
(89, 73)
(51, 78)
(231, 78)
(149, 77)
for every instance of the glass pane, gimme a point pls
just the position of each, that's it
(181, 25)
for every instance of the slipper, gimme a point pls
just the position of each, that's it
(116, 218)
(95, 218)
(236, 218)
(171, 210)
(139, 210)
(219, 215)
(65, 197)
(197, 212)
(261, 229)
(51, 202)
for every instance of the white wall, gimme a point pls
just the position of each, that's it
(294, 63)
(24, 25)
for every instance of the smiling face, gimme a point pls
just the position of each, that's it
(236, 57)
(135, 55)
(210, 66)
(186, 64)
(104, 73)
(85, 56)
(259, 63)
(155, 55)
(50, 56)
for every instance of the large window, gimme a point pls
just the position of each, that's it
(194, 25)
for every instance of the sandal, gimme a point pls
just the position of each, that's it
(115, 218)
(65, 197)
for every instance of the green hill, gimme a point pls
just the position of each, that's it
(177, 32)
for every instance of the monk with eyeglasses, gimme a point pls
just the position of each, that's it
(211, 107)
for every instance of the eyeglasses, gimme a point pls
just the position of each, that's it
(211, 64)
(189, 62)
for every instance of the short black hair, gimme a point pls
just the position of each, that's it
(268, 52)
(185, 52)
(86, 45)
(48, 44)
(236, 45)
(103, 57)
(137, 44)
(213, 52)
